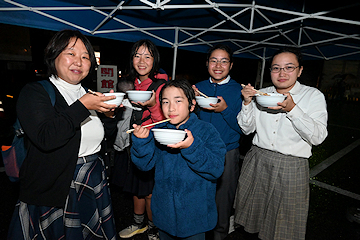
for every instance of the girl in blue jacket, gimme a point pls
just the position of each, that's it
(183, 201)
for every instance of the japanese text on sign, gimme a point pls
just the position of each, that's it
(106, 78)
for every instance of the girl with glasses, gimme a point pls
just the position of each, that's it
(223, 116)
(272, 196)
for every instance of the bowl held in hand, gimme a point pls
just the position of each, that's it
(168, 136)
(139, 96)
(117, 100)
(205, 102)
(269, 100)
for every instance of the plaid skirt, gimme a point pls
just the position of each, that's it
(87, 213)
(272, 196)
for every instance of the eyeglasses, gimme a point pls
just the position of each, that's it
(222, 62)
(287, 69)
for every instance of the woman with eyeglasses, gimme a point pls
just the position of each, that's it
(223, 116)
(272, 196)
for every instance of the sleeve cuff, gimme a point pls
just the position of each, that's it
(226, 111)
(247, 108)
(296, 112)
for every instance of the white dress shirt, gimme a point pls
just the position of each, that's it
(290, 133)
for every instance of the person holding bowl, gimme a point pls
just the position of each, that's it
(63, 188)
(272, 196)
(223, 116)
(183, 202)
(146, 75)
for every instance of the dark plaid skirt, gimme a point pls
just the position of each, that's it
(87, 214)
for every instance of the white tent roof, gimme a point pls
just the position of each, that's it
(254, 29)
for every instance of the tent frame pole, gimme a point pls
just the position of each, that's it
(176, 40)
(263, 68)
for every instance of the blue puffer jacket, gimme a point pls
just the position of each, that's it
(183, 199)
(225, 122)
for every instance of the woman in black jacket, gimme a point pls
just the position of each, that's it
(63, 188)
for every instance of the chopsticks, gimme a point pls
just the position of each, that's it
(202, 93)
(259, 92)
(92, 92)
(152, 124)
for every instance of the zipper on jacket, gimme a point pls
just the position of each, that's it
(215, 91)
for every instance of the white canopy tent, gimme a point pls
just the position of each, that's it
(254, 29)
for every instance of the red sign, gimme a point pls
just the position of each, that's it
(107, 72)
(106, 78)
(107, 83)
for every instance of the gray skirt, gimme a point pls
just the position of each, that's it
(272, 196)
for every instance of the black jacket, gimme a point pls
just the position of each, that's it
(54, 139)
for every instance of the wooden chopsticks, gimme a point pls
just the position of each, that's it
(202, 94)
(92, 92)
(152, 124)
(259, 92)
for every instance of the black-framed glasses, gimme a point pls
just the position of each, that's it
(223, 62)
(287, 69)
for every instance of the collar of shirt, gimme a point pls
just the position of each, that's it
(69, 91)
(226, 80)
(142, 85)
(296, 89)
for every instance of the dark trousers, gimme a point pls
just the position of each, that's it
(225, 193)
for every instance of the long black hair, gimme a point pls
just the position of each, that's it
(59, 42)
(154, 53)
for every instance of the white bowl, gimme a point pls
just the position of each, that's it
(168, 136)
(117, 100)
(269, 101)
(139, 96)
(205, 102)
